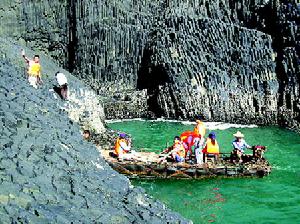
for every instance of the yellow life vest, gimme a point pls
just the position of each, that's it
(200, 129)
(180, 149)
(118, 147)
(34, 69)
(211, 148)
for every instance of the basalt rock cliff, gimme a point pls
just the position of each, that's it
(48, 173)
(228, 60)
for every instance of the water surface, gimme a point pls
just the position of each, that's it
(272, 199)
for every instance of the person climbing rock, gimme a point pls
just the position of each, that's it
(211, 148)
(33, 70)
(62, 88)
(239, 146)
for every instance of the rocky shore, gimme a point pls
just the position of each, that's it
(48, 173)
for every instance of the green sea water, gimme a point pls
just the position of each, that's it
(272, 199)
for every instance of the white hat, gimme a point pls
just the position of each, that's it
(61, 78)
(238, 135)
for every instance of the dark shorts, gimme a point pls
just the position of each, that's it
(62, 91)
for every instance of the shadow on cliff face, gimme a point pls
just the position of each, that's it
(280, 19)
(151, 77)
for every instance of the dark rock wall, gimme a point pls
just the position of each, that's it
(224, 78)
(10, 16)
(42, 25)
(286, 35)
(230, 60)
(47, 25)
(111, 37)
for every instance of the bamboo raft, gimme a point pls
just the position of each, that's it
(148, 166)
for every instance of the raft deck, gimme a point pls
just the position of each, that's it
(147, 166)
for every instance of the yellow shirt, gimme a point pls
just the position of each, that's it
(34, 69)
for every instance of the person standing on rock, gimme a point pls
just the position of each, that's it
(62, 88)
(34, 69)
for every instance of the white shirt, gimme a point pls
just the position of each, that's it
(61, 79)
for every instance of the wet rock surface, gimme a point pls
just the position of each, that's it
(48, 173)
(228, 60)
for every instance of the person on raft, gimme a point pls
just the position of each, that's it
(189, 139)
(123, 148)
(211, 148)
(239, 146)
(176, 151)
(199, 131)
(33, 70)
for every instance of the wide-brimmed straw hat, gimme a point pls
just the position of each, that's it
(238, 135)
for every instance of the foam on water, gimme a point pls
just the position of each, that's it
(209, 125)
(123, 120)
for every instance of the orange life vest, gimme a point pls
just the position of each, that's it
(200, 130)
(211, 148)
(34, 69)
(180, 149)
(118, 147)
(186, 134)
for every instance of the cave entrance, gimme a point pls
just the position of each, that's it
(150, 77)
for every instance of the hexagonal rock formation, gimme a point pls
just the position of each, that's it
(48, 173)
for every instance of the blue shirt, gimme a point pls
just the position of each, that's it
(240, 145)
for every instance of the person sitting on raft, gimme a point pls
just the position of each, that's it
(239, 145)
(211, 147)
(177, 151)
(122, 147)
